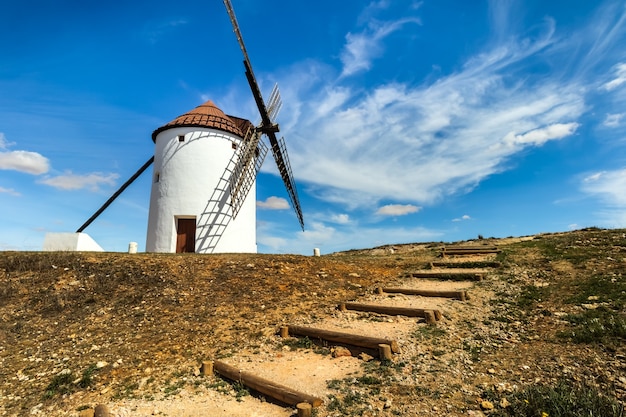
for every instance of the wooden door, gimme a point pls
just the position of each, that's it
(186, 235)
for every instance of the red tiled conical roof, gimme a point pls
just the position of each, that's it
(206, 115)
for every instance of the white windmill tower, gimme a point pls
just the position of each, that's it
(203, 196)
(195, 157)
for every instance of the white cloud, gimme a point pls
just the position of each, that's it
(593, 177)
(69, 181)
(340, 218)
(316, 234)
(608, 185)
(9, 191)
(540, 136)
(333, 100)
(330, 239)
(372, 9)
(421, 143)
(463, 217)
(397, 210)
(154, 31)
(22, 161)
(273, 203)
(362, 48)
(613, 120)
(3, 141)
(619, 72)
(275, 243)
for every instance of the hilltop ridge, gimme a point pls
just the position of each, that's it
(130, 331)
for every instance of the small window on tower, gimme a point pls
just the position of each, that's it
(157, 177)
(181, 138)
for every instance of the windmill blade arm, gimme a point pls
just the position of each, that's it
(258, 98)
(279, 151)
(254, 86)
(267, 126)
(233, 21)
(116, 194)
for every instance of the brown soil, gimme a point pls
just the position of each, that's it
(131, 331)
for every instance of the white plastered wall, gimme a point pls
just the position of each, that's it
(185, 176)
(80, 242)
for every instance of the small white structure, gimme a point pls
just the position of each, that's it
(80, 242)
(189, 202)
(132, 247)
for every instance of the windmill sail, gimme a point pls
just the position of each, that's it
(275, 103)
(247, 162)
(279, 150)
(268, 127)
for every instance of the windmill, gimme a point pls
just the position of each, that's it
(205, 167)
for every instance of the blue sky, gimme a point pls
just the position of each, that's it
(405, 121)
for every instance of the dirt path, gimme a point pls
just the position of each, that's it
(311, 372)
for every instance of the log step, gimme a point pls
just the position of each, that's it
(265, 386)
(451, 275)
(459, 295)
(469, 264)
(469, 250)
(340, 337)
(475, 247)
(429, 314)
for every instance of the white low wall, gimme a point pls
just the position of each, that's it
(75, 242)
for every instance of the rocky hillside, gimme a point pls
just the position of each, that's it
(545, 330)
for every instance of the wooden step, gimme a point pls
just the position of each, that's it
(466, 264)
(340, 337)
(469, 250)
(429, 314)
(459, 295)
(449, 275)
(265, 386)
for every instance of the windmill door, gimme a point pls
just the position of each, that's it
(186, 235)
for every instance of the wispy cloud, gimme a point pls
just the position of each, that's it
(609, 187)
(154, 31)
(3, 141)
(462, 218)
(613, 120)
(9, 191)
(500, 12)
(340, 218)
(619, 77)
(331, 239)
(22, 161)
(362, 48)
(397, 210)
(372, 8)
(419, 143)
(273, 203)
(422, 143)
(70, 181)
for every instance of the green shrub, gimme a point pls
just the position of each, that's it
(561, 400)
(596, 326)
